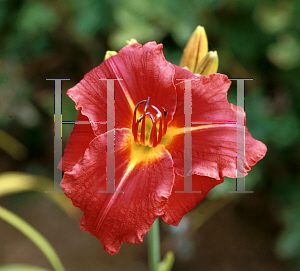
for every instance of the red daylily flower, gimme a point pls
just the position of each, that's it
(149, 165)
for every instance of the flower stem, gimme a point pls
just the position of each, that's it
(38, 239)
(154, 246)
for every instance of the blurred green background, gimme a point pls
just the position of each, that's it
(67, 38)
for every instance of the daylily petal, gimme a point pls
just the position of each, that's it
(179, 204)
(209, 98)
(178, 118)
(119, 217)
(142, 70)
(145, 72)
(80, 137)
(254, 149)
(214, 152)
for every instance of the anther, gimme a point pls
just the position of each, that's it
(165, 111)
(157, 110)
(147, 105)
(165, 120)
(148, 113)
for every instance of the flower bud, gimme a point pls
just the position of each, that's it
(208, 64)
(131, 41)
(108, 54)
(195, 50)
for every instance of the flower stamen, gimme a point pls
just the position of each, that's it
(155, 136)
(165, 120)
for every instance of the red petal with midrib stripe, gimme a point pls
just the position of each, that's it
(214, 145)
(143, 72)
(119, 217)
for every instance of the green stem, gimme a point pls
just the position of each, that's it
(39, 240)
(154, 246)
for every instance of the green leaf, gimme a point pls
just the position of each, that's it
(167, 263)
(21, 267)
(39, 240)
(17, 182)
(12, 146)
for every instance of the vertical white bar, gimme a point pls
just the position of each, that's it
(240, 180)
(110, 166)
(57, 136)
(188, 163)
(110, 136)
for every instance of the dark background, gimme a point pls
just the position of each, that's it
(67, 38)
